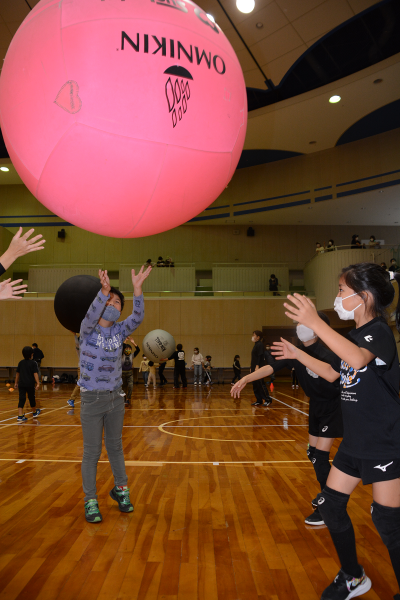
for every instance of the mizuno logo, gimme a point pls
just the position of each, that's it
(368, 338)
(383, 467)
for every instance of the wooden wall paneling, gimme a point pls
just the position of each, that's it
(64, 352)
(48, 345)
(237, 344)
(7, 350)
(170, 316)
(254, 315)
(112, 253)
(234, 316)
(45, 318)
(7, 316)
(213, 345)
(79, 246)
(212, 317)
(25, 317)
(151, 316)
(191, 321)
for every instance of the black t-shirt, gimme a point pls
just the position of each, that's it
(179, 358)
(38, 355)
(273, 285)
(370, 396)
(257, 355)
(26, 369)
(314, 386)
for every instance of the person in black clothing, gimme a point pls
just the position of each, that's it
(325, 417)
(161, 366)
(369, 383)
(38, 356)
(268, 360)
(179, 370)
(295, 381)
(355, 242)
(273, 285)
(257, 360)
(237, 369)
(393, 265)
(27, 380)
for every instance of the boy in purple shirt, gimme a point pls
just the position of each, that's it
(102, 400)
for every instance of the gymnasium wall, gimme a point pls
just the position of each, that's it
(373, 161)
(221, 327)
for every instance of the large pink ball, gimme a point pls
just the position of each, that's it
(124, 117)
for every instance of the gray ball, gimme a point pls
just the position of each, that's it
(158, 344)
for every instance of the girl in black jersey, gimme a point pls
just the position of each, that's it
(369, 382)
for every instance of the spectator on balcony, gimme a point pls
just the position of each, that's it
(393, 265)
(274, 284)
(149, 263)
(330, 246)
(384, 266)
(373, 243)
(355, 242)
(160, 262)
(169, 262)
(318, 248)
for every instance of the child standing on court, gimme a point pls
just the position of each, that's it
(207, 370)
(144, 369)
(179, 370)
(152, 374)
(27, 380)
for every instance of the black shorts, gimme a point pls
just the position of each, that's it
(325, 418)
(369, 471)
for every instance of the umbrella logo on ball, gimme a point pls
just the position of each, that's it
(177, 92)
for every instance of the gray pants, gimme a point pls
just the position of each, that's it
(102, 410)
(197, 373)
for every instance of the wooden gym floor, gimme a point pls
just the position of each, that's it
(220, 491)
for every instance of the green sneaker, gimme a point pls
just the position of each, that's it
(122, 497)
(92, 513)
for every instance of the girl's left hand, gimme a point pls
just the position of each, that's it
(303, 311)
(11, 289)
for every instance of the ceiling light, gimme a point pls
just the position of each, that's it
(5, 169)
(259, 25)
(334, 99)
(211, 17)
(245, 6)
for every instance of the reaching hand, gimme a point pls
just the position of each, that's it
(21, 245)
(303, 310)
(237, 388)
(137, 280)
(105, 282)
(284, 349)
(10, 289)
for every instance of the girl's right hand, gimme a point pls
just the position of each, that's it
(237, 388)
(284, 349)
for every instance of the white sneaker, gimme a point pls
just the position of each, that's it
(297, 387)
(199, 382)
(292, 387)
(195, 383)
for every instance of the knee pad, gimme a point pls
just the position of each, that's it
(387, 522)
(322, 466)
(333, 507)
(310, 452)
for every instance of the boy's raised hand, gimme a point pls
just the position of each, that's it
(137, 280)
(105, 282)
(11, 289)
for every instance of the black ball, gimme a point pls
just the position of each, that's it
(73, 299)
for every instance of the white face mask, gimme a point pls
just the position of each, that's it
(344, 315)
(253, 338)
(305, 334)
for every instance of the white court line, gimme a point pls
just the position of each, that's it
(42, 409)
(288, 405)
(157, 426)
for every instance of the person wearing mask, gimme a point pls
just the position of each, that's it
(373, 243)
(330, 246)
(197, 364)
(384, 266)
(257, 361)
(393, 265)
(355, 242)
(319, 249)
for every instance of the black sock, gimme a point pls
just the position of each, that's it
(345, 544)
(394, 554)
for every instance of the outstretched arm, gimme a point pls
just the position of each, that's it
(96, 308)
(21, 245)
(138, 280)
(258, 374)
(10, 289)
(286, 350)
(304, 311)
